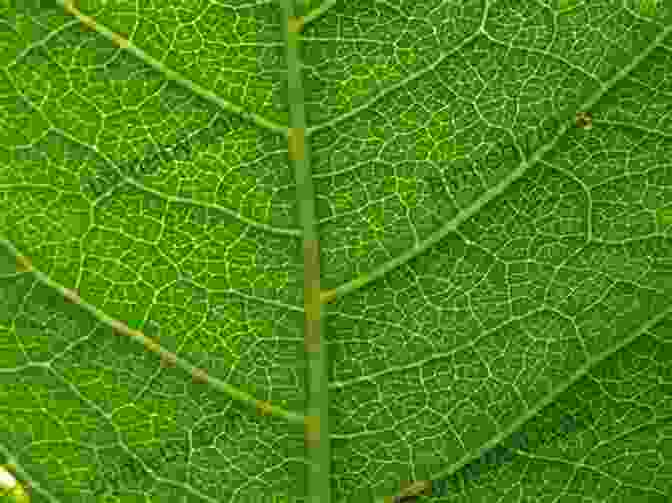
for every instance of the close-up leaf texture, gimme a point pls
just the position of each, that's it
(342, 252)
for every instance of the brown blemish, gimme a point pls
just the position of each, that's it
(327, 296)
(297, 144)
(584, 120)
(295, 24)
(199, 376)
(312, 431)
(312, 336)
(417, 488)
(168, 360)
(121, 40)
(150, 343)
(72, 296)
(312, 292)
(122, 329)
(119, 328)
(70, 7)
(23, 264)
(264, 408)
(88, 23)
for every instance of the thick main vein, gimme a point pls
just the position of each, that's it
(499, 189)
(318, 470)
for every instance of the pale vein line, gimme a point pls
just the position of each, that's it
(153, 346)
(436, 356)
(23, 368)
(320, 11)
(628, 240)
(498, 189)
(581, 372)
(581, 465)
(108, 418)
(197, 89)
(183, 200)
(41, 42)
(632, 125)
(410, 78)
(545, 53)
(270, 302)
(228, 291)
(174, 199)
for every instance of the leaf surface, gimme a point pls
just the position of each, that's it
(492, 180)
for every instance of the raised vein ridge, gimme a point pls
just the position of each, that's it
(318, 470)
(168, 359)
(498, 189)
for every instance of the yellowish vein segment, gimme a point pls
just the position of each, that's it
(166, 197)
(10, 488)
(297, 144)
(90, 23)
(327, 296)
(207, 94)
(23, 264)
(318, 470)
(417, 488)
(312, 299)
(167, 358)
(295, 24)
(500, 188)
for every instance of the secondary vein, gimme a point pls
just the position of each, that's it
(582, 371)
(498, 189)
(271, 229)
(198, 374)
(124, 43)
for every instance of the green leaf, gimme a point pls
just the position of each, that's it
(387, 249)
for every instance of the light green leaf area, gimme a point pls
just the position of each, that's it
(494, 269)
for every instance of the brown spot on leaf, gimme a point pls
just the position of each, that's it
(312, 294)
(417, 488)
(297, 144)
(295, 24)
(168, 360)
(312, 431)
(199, 376)
(150, 343)
(23, 264)
(264, 408)
(119, 328)
(121, 40)
(584, 120)
(88, 23)
(312, 336)
(327, 296)
(72, 296)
